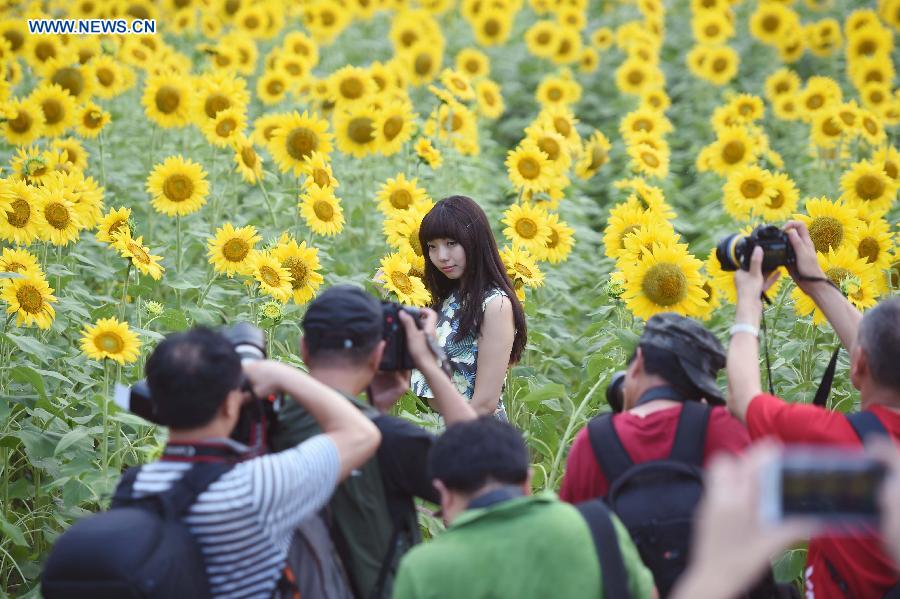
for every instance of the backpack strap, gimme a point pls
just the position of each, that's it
(821, 397)
(180, 496)
(690, 435)
(608, 449)
(866, 424)
(606, 542)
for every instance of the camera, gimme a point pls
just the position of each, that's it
(396, 354)
(256, 424)
(735, 250)
(615, 396)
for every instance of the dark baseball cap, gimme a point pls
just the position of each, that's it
(699, 352)
(342, 317)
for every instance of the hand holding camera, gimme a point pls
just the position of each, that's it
(418, 331)
(806, 268)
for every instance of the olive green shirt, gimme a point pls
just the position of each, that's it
(535, 546)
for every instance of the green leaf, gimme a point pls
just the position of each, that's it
(789, 566)
(31, 346)
(546, 391)
(27, 374)
(173, 320)
(69, 439)
(12, 532)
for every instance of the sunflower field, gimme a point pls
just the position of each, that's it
(249, 153)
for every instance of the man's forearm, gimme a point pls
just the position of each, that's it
(447, 399)
(743, 361)
(842, 315)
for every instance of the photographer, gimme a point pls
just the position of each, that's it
(244, 520)
(372, 515)
(851, 565)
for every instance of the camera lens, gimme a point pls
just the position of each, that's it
(730, 250)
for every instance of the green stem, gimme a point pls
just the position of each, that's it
(206, 290)
(102, 164)
(268, 202)
(104, 459)
(570, 427)
(178, 256)
(124, 293)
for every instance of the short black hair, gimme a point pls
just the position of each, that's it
(879, 336)
(190, 374)
(473, 453)
(351, 356)
(665, 364)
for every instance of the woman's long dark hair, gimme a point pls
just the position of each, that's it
(460, 218)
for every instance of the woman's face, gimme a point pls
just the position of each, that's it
(448, 256)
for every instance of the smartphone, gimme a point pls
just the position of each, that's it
(837, 488)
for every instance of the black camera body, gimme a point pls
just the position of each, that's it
(256, 425)
(396, 354)
(735, 250)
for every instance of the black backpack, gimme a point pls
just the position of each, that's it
(656, 500)
(137, 549)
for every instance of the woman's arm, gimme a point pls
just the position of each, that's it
(495, 343)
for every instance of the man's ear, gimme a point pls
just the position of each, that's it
(304, 351)
(231, 407)
(376, 355)
(859, 365)
(636, 366)
(526, 486)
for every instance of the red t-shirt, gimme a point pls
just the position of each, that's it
(645, 438)
(860, 560)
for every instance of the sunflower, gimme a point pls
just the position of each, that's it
(646, 198)
(264, 128)
(889, 159)
(302, 263)
(783, 82)
(24, 122)
(665, 279)
(457, 84)
(30, 299)
(296, 137)
(133, 248)
(871, 127)
(625, 220)
(720, 64)
(649, 161)
(711, 27)
(397, 278)
(746, 189)
(489, 97)
(771, 22)
(57, 106)
(639, 240)
(602, 38)
(559, 244)
(39, 49)
(427, 152)
(319, 174)
(322, 211)
(109, 338)
(529, 168)
(568, 46)
(473, 63)
(400, 194)
(556, 91)
(423, 62)
(851, 273)
(521, 267)
(642, 121)
(110, 78)
(178, 187)
(73, 78)
(552, 144)
(356, 131)
(832, 225)
(588, 61)
(394, 127)
(875, 243)
(634, 76)
(231, 249)
(402, 230)
(70, 151)
(351, 86)
(273, 278)
(733, 149)
(22, 223)
(526, 225)
(492, 27)
(62, 224)
(781, 203)
(115, 221)
(272, 86)
(19, 261)
(594, 156)
(867, 186)
(166, 100)
(655, 99)
(225, 127)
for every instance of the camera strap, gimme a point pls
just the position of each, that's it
(222, 452)
(661, 392)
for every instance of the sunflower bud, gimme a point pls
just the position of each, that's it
(153, 308)
(272, 311)
(614, 289)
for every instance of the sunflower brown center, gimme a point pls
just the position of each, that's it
(650, 159)
(44, 51)
(526, 228)
(352, 88)
(635, 77)
(414, 242)
(30, 299)
(53, 111)
(719, 65)
(139, 253)
(328, 18)
(392, 127)
(324, 210)
(15, 39)
(57, 215)
(529, 168)
(235, 249)
(869, 248)
(109, 342)
(106, 77)
(401, 281)
(837, 275)
(20, 215)
(178, 188)
(826, 232)
(830, 128)
(167, 99)
(361, 130)
(214, 104)
(734, 152)
(299, 271)
(752, 188)
(891, 169)
(70, 79)
(771, 23)
(92, 119)
(664, 284)
(423, 64)
(815, 101)
(226, 127)
(869, 187)
(491, 27)
(401, 199)
(472, 66)
(408, 38)
(270, 276)
(301, 143)
(523, 270)
(321, 177)
(777, 200)
(711, 30)
(555, 94)
(22, 123)
(598, 157)
(553, 241)
(275, 87)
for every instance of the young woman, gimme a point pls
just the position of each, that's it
(481, 323)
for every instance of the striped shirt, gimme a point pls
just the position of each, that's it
(245, 520)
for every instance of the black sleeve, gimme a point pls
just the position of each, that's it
(403, 457)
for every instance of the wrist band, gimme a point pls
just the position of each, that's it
(743, 327)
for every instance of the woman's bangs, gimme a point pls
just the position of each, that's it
(441, 223)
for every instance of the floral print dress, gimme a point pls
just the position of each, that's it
(462, 353)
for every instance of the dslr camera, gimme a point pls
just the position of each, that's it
(256, 425)
(735, 250)
(396, 354)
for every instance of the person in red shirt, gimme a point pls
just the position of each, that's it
(676, 356)
(846, 566)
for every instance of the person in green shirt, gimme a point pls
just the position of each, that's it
(501, 541)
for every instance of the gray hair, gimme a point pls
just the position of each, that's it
(879, 336)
